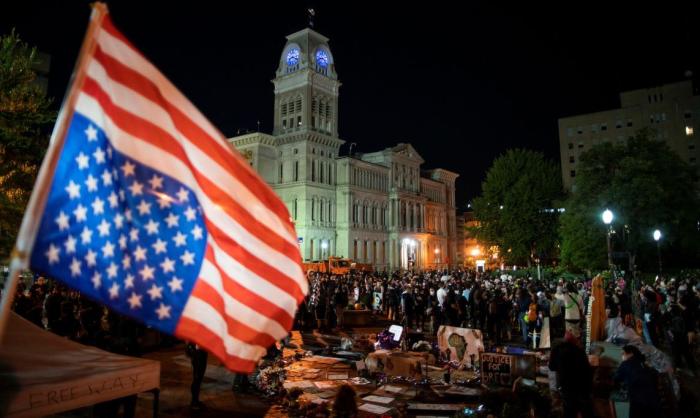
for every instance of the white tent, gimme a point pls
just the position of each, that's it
(42, 373)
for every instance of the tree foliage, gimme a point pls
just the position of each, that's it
(646, 185)
(516, 210)
(25, 118)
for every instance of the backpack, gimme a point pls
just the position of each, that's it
(555, 308)
(532, 312)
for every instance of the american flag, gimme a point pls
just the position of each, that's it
(151, 213)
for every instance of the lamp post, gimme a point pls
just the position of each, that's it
(607, 220)
(437, 258)
(657, 238)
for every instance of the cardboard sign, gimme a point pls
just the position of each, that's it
(502, 369)
(463, 344)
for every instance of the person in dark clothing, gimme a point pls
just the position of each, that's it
(640, 382)
(408, 304)
(340, 301)
(198, 357)
(523, 303)
(677, 331)
(574, 377)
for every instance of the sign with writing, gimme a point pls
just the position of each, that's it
(502, 369)
(460, 344)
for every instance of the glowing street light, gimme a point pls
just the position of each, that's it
(657, 238)
(607, 220)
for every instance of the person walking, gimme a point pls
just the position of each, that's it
(198, 358)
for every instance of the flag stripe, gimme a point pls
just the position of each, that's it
(209, 140)
(139, 92)
(129, 145)
(230, 276)
(213, 320)
(253, 282)
(187, 329)
(235, 328)
(151, 133)
(235, 306)
(262, 304)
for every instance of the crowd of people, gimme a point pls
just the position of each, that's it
(508, 310)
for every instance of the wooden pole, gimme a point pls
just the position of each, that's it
(19, 260)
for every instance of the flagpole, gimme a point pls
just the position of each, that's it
(19, 259)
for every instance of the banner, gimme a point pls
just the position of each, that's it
(462, 345)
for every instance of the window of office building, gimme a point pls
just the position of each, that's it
(573, 173)
(689, 130)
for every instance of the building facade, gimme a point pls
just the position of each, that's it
(671, 110)
(381, 207)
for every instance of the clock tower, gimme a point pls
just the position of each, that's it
(306, 86)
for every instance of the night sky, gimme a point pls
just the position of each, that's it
(462, 85)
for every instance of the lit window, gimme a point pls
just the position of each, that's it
(688, 130)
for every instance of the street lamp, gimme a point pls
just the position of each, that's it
(657, 238)
(607, 220)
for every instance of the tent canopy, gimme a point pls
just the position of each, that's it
(42, 373)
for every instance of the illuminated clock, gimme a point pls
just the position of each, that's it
(322, 58)
(292, 57)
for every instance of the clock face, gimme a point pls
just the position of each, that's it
(292, 57)
(322, 58)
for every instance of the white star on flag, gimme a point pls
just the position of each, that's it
(168, 265)
(108, 250)
(187, 258)
(73, 190)
(97, 280)
(155, 292)
(134, 234)
(127, 168)
(175, 284)
(112, 270)
(134, 301)
(83, 161)
(197, 232)
(80, 213)
(106, 178)
(151, 227)
(144, 208)
(156, 182)
(172, 220)
(180, 239)
(86, 236)
(146, 273)
(136, 188)
(114, 291)
(62, 221)
(91, 133)
(160, 246)
(129, 281)
(98, 206)
(91, 258)
(52, 254)
(163, 311)
(113, 202)
(140, 253)
(190, 213)
(183, 195)
(126, 261)
(70, 244)
(103, 227)
(99, 156)
(75, 268)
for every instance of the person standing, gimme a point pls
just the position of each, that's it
(640, 382)
(408, 305)
(574, 377)
(198, 358)
(340, 300)
(523, 304)
(573, 309)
